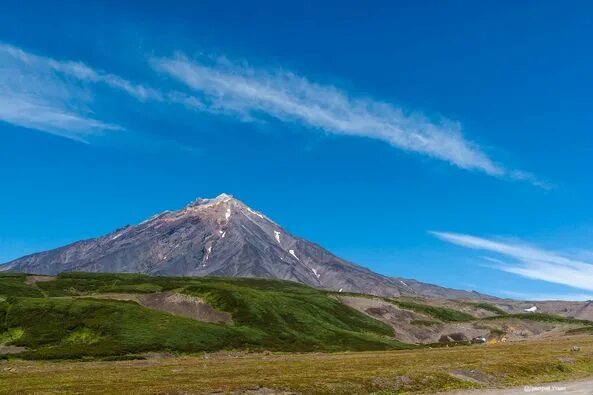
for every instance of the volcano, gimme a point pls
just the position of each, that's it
(211, 237)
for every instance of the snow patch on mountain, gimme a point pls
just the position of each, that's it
(255, 213)
(208, 251)
(315, 273)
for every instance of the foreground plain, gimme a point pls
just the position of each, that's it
(381, 372)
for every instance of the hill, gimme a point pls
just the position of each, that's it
(95, 315)
(86, 314)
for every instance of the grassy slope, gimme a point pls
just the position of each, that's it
(295, 316)
(450, 315)
(73, 328)
(542, 317)
(13, 284)
(488, 307)
(267, 314)
(275, 315)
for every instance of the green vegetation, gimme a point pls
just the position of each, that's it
(586, 330)
(440, 313)
(76, 328)
(75, 284)
(64, 317)
(82, 335)
(267, 315)
(293, 316)
(13, 284)
(488, 307)
(542, 317)
(11, 335)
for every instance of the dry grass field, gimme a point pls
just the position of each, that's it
(380, 372)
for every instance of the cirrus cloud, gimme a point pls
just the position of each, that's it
(247, 92)
(53, 96)
(528, 261)
(35, 94)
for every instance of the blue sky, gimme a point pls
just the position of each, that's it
(445, 142)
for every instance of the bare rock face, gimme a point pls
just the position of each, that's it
(211, 237)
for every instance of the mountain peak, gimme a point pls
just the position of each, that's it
(219, 236)
(222, 198)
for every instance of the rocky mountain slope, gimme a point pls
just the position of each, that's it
(211, 237)
(438, 292)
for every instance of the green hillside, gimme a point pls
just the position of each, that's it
(61, 319)
(106, 316)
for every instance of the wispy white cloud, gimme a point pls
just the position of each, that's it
(528, 261)
(251, 93)
(79, 71)
(34, 94)
(53, 95)
(521, 175)
(49, 116)
(50, 95)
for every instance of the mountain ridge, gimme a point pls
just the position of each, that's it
(211, 237)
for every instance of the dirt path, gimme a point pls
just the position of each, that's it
(174, 303)
(33, 279)
(579, 387)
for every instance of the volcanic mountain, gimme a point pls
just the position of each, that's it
(211, 237)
